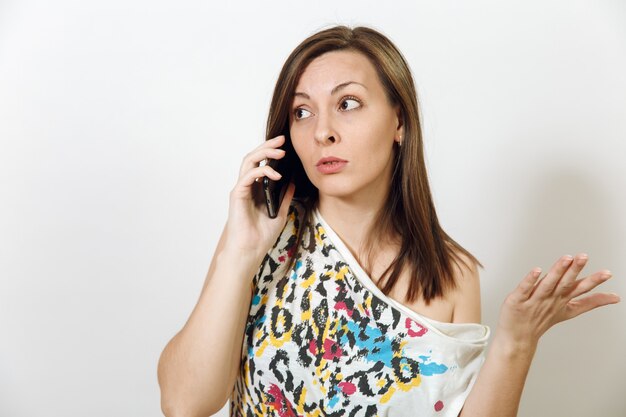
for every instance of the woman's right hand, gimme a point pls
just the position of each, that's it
(249, 229)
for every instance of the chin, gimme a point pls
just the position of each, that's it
(335, 187)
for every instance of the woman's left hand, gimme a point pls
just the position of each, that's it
(538, 304)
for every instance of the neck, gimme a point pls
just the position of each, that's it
(351, 219)
(352, 216)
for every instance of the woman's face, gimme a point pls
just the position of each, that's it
(340, 111)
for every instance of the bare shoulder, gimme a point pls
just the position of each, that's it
(466, 295)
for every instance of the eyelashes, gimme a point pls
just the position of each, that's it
(350, 98)
(296, 116)
(298, 110)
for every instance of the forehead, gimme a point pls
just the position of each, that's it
(332, 68)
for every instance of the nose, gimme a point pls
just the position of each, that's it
(324, 132)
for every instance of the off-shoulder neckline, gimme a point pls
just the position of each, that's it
(480, 332)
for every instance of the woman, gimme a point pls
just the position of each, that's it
(362, 305)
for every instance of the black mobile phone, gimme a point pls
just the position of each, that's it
(273, 190)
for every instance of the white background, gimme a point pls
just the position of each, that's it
(123, 124)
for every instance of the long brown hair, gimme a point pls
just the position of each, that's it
(409, 212)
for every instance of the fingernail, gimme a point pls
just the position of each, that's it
(606, 275)
(617, 295)
(567, 260)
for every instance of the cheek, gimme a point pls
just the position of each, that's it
(297, 146)
(378, 150)
(298, 143)
(374, 128)
(377, 138)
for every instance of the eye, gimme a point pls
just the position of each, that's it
(350, 103)
(300, 114)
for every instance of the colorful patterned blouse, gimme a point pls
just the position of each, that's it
(322, 340)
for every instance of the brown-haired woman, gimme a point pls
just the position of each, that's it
(361, 305)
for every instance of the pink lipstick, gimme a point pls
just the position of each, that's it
(331, 165)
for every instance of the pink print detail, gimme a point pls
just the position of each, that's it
(290, 253)
(280, 403)
(331, 350)
(415, 329)
(340, 305)
(347, 388)
(438, 406)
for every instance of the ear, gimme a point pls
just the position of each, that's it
(399, 124)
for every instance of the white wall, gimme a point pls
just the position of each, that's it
(123, 123)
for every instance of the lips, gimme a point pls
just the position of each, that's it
(331, 165)
(329, 160)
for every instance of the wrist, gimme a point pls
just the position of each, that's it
(238, 261)
(514, 348)
(236, 248)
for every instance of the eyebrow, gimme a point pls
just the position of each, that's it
(333, 91)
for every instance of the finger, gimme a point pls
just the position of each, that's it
(587, 284)
(257, 156)
(588, 303)
(547, 284)
(526, 285)
(278, 139)
(248, 162)
(568, 281)
(259, 172)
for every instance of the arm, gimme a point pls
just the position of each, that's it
(198, 367)
(526, 314)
